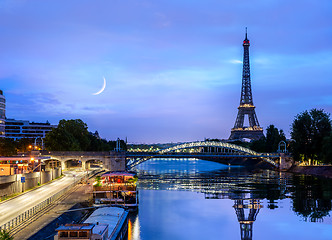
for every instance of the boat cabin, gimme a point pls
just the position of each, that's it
(116, 188)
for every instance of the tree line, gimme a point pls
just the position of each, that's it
(70, 135)
(311, 138)
(73, 135)
(10, 147)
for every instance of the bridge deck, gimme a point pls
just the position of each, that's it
(197, 155)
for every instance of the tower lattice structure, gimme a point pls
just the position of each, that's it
(253, 131)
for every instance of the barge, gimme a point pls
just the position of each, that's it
(116, 189)
(107, 223)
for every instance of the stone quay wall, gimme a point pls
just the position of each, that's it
(324, 171)
(12, 184)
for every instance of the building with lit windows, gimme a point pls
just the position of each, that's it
(2, 114)
(18, 129)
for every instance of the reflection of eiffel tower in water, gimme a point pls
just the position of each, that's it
(246, 222)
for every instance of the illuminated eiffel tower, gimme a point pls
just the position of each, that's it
(253, 131)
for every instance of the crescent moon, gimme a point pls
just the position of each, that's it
(102, 89)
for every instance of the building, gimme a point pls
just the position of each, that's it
(18, 129)
(6, 169)
(2, 114)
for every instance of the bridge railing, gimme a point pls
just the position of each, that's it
(39, 207)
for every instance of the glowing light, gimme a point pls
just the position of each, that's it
(129, 230)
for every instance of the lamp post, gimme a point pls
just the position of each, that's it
(40, 172)
(51, 169)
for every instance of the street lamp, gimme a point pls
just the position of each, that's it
(40, 172)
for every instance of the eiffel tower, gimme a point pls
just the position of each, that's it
(253, 131)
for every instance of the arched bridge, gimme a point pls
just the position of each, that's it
(222, 152)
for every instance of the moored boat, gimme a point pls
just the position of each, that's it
(116, 189)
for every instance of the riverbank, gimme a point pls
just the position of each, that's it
(323, 171)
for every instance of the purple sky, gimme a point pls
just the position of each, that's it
(173, 68)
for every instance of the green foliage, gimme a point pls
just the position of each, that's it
(5, 235)
(327, 149)
(7, 147)
(133, 180)
(23, 144)
(258, 145)
(70, 135)
(73, 135)
(309, 129)
(273, 138)
(98, 180)
(270, 142)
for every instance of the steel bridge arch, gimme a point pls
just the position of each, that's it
(232, 148)
(225, 145)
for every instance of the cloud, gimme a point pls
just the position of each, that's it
(235, 61)
(172, 67)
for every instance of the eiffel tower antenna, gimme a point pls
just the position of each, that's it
(246, 108)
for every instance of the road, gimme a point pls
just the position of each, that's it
(18, 205)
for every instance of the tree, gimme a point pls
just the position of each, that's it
(5, 235)
(270, 142)
(327, 149)
(70, 135)
(24, 144)
(258, 145)
(73, 135)
(273, 138)
(7, 147)
(97, 144)
(308, 132)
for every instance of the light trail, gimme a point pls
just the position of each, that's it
(14, 207)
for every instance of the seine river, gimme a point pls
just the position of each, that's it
(200, 200)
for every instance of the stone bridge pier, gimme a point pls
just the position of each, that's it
(116, 161)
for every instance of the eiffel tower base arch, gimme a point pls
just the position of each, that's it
(251, 134)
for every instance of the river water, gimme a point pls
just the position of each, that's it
(200, 200)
